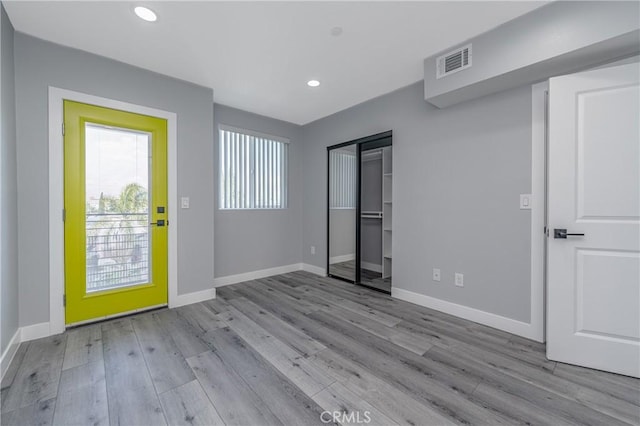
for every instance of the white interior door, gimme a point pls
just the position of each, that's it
(594, 189)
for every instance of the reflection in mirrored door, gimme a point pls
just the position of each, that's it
(343, 187)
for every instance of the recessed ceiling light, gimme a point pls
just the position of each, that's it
(313, 83)
(336, 31)
(146, 14)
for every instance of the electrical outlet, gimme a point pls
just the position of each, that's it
(313, 249)
(184, 202)
(459, 279)
(436, 274)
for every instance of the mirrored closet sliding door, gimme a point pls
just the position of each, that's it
(343, 190)
(360, 211)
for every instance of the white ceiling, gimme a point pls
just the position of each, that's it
(258, 56)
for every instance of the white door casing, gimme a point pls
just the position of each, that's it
(594, 189)
(56, 322)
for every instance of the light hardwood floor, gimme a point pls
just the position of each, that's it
(283, 350)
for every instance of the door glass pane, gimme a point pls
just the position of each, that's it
(117, 207)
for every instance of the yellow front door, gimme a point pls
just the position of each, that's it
(116, 213)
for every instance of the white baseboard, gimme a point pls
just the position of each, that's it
(254, 275)
(371, 266)
(486, 318)
(9, 353)
(195, 297)
(35, 331)
(343, 258)
(314, 269)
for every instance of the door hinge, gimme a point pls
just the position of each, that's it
(62, 129)
(64, 300)
(64, 215)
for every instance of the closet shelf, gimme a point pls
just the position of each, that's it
(387, 256)
(388, 174)
(388, 229)
(387, 202)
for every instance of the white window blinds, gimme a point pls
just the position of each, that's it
(253, 170)
(343, 179)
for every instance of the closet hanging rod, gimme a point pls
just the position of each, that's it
(371, 215)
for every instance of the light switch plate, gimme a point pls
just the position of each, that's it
(184, 202)
(525, 201)
(459, 279)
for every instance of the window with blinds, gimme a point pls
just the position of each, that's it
(253, 170)
(342, 193)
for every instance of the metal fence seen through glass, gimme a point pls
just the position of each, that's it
(117, 250)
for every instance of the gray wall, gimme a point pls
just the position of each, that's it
(371, 186)
(41, 64)
(457, 176)
(9, 198)
(371, 241)
(250, 240)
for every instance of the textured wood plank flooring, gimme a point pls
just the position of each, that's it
(285, 349)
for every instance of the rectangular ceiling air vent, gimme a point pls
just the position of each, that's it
(453, 61)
